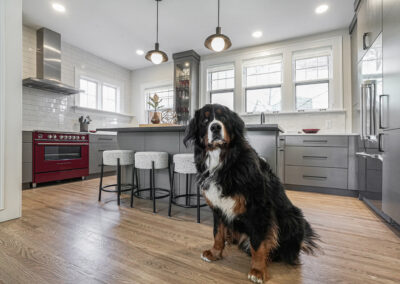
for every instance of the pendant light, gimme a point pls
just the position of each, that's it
(156, 55)
(218, 42)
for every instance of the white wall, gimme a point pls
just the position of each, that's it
(48, 111)
(11, 70)
(146, 78)
(335, 121)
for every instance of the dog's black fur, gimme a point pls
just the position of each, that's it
(243, 172)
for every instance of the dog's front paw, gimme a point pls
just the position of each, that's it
(208, 256)
(256, 276)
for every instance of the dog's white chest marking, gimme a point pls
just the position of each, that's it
(225, 204)
(214, 192)
(213, 159)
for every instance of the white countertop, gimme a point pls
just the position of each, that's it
(320, 134)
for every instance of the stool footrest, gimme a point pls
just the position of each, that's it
(173, 201)
(103, 188)
(136, 192)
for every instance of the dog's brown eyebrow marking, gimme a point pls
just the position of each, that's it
(207, 114)
(219, 111)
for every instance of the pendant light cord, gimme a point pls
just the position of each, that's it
(157, 22)
(218, 13)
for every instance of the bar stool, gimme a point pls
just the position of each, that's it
(184, 164)
(117, 158)
(152, 161)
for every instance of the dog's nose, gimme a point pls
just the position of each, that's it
(215, 128)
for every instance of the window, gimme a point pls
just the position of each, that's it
(165, 93)
(312, 76)
(109, 98)
(263, 80)
(221, 85)
(88, 98)
(98, 95)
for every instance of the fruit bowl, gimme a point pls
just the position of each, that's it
(311, 130)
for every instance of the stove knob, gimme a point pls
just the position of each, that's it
(74, 137)
(61, 136)
(83, 137)
(49, 136)
(69, 137)
(54, 136)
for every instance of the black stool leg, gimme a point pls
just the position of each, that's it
(187, 190)
(153, 190)
(171, 185)
(137, 180)
(133, 184)
(119, 181)
(151, 184)
(198, 203)
(101, 179)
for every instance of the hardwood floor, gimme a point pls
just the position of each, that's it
(66, 236)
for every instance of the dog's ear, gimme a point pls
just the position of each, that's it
(192, 131)
(238, 125)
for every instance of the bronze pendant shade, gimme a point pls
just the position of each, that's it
(156, 55)
(218, 41)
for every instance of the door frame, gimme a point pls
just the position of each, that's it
(2, 99)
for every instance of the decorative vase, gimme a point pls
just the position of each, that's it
(156, 118)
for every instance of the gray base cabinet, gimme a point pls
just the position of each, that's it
(97, 145)
(321, 161)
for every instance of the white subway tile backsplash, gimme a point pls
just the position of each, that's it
(48, 111)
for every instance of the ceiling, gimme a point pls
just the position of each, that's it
(114, 30)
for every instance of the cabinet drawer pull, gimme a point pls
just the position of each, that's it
(315, 141)
(315, 157)
(101, 150)
(314, 177)
(105, 139)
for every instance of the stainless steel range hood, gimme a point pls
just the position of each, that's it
(48, 65)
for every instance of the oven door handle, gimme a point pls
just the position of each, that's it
(63, 144)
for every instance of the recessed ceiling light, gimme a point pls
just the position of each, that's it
(139, 52)
(321, 9)
(257, 34)
(59, 7)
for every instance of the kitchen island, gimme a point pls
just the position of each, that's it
(263, 137)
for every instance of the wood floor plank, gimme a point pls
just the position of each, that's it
(66, 236)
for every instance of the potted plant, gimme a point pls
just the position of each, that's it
(154, 102)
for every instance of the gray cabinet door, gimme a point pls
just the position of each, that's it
(391, 62)
(369, 25)
(391, 175)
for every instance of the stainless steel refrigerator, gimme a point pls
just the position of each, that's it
(391, 109)
(370, 78)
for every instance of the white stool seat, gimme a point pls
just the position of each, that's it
(143, 160)
(110, 158)
(184, 164)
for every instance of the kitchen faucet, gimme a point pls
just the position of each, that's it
(262, 118)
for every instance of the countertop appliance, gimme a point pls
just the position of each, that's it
(59, 155)
(370, 77)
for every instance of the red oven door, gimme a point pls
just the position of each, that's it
(59, 156)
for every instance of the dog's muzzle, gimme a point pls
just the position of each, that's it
(216, 132)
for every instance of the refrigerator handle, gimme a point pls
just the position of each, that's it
(362, 112)
(380, 142)
(383, 112)
(372, 88)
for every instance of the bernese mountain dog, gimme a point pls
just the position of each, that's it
(249, 203)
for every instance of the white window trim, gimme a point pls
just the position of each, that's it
(256, 62)
(153, 85)
(159, 87)
(217, 68)
(101, 80)
(311, 53)
(287, 49)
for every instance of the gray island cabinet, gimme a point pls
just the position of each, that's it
(264, 138)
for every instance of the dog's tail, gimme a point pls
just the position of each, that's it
(309, 244)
